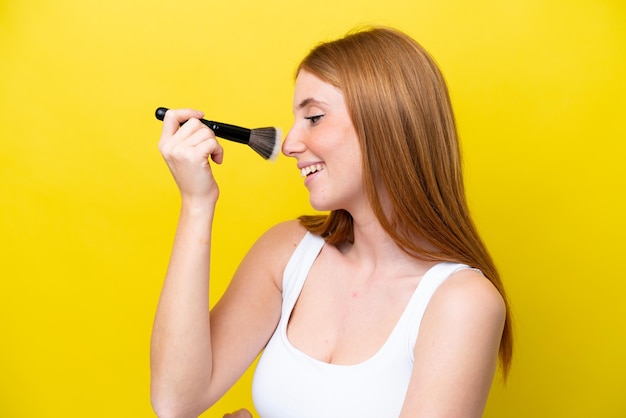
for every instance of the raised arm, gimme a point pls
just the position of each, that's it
(456, 350)
(197, 355)
(180, 356)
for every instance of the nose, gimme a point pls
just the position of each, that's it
(292, 145)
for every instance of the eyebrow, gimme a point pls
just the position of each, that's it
(308, 101)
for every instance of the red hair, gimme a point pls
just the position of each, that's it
(399, 104)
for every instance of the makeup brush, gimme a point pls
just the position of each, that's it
(265, 141)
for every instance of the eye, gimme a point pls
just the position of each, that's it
(314, 119)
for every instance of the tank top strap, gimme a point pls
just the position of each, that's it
(297, 269)
(421, 297)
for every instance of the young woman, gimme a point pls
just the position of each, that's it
(389, 306)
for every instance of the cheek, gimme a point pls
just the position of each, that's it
(357, 154)
(353, 166)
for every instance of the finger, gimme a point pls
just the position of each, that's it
(193, 132)
(211, 148)
(190, 134)
(218, 154)
(175, 117)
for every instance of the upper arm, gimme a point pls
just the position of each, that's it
(247, 314)
(456, 349)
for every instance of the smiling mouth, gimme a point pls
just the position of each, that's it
(311, 169)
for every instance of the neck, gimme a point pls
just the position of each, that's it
(374, 250)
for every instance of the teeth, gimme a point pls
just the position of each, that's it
(311, 169)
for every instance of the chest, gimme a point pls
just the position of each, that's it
(343, 316)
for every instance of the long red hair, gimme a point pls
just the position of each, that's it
(399, 104)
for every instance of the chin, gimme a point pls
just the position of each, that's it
(321, 206)
(324, 206)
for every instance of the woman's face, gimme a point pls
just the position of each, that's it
(325, 145)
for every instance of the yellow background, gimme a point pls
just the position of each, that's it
(88, 208)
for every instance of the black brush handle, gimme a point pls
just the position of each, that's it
(223, 130)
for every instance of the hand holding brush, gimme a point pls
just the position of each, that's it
(265, 141)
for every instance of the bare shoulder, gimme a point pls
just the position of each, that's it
(281, 239)
(272, 250)
(468, 293)
(456, 348)
(466, 304)
(288, 233)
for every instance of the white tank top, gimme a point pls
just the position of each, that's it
(290, 384)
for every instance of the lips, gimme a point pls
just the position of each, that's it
(310, 169)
